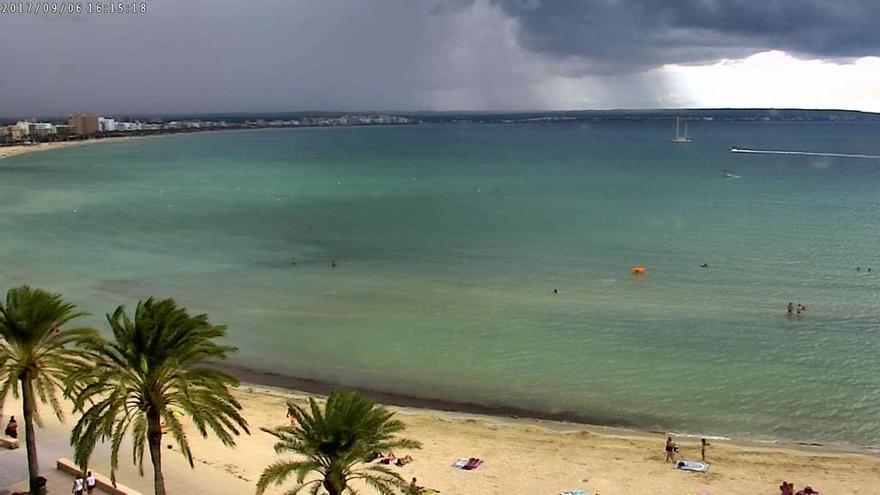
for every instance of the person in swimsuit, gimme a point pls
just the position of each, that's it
(670, 450)
(786, 488)
(790, 308)
(414, 487)
(292, 418)
(703, 445)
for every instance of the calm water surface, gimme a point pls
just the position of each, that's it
(449, 241)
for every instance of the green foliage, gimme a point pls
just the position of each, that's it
(34, 347)
(334, 443)
(36, 355)
(153, 370)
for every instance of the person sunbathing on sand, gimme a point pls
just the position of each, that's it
(403, 461)
(387, 459)
(786, 488)
(414, 488)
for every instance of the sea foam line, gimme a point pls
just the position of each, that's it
(806, 153)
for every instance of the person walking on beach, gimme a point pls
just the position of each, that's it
(703, 445)
(670, 450)
(91, 483)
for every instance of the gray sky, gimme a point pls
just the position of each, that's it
(287, 55)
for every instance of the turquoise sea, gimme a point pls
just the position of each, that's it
(449, 241)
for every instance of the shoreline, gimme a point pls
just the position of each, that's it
(521, 457)
(563, 422)
(24, 149)
(9, 151)
(528, 456)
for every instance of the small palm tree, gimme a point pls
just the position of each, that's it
(335, 442)
(37, 355)
(151, 372)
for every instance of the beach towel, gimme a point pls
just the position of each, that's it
(467, 463)
(697, 466)
(578, 492)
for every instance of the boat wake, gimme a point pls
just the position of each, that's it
(803, 153)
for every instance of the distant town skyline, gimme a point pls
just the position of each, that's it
(441, 55)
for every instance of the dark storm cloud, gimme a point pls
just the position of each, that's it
(633, 35)
(279, 55)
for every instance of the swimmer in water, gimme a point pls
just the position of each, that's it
(556, 291)
(292, 261)
(333, 263)
(704, 265)
(790, 308)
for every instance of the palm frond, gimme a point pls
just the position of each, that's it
(335, 440)
(151, 370)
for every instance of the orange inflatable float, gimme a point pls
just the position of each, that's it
(639, 270)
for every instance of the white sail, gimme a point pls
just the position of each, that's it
(678, 137)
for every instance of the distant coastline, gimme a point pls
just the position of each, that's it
(8, 151)
(349, 118)
(196, 124)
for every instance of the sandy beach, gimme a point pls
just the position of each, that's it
(20, 149)
(521, 457)
(535, 457)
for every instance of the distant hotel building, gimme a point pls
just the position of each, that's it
(83, 124)
(106, 124)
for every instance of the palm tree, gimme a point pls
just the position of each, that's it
(151, 372)
(335, 442)
(37, 355)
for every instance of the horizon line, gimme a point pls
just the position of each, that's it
(470, 112)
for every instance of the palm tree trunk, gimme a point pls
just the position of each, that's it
(28, 408)
(154, 438)
(331, 488)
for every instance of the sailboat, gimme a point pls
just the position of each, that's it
(678, 137)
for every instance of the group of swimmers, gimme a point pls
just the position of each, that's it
(801, 308)
(293, 262)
